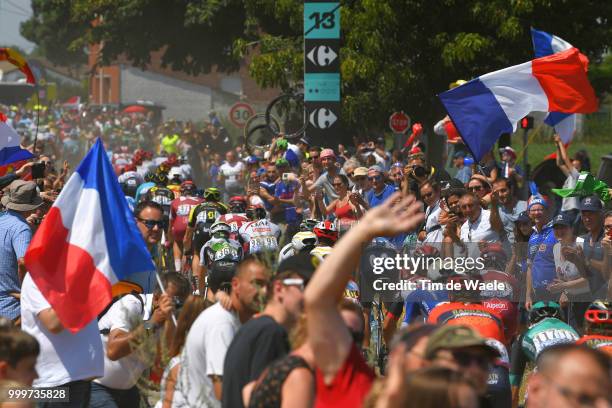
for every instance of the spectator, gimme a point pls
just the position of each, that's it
(18, 353)
(517, 266)
(606, 244)
(194, 305)
(462, 349)
(571, 170)
(591, 211)
(480, 225)
(201, 374)
(127, 323)
(66, 359)
(325, 180)
(231, 175)
(21, 201)
(540, 259)
(479, 185)
(396, 174)
(361, 184)
(463, 172)
(348, 206)
(265, 338)
(570, 375)
(380, 190)
(343, 377)
(432, 231)
(510, 207)
(489, 166)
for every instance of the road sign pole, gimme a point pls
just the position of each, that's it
(322, 71)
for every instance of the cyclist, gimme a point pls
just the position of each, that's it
(308, 224)
(143, 189)
(500, 301)
(327, 235)
(598, 326)
(546, 329)
(201, 217)
(236, 216)
(161, 194)
(180, 208)
(259, 234)
(303, 241)
(220, 248)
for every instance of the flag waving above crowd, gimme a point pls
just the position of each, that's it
(88, 241)
(492, 104)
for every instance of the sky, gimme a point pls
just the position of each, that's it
(12, 13)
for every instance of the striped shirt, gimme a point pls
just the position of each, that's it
(15, 236)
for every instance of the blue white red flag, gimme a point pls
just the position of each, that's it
(10, 148)
(490, 105)
(87, 242)
(547, 44)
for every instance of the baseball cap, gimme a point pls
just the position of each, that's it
(380, 140)
(360, 171)
(562, 219)
(523, 217)
(454, 337)
(376, 168)
(327, 153)
(459, 154)
(591, 203)
(303, 264)
(304, 140)
(537, 200)
(252, 159)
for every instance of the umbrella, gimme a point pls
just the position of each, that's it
(135, 109)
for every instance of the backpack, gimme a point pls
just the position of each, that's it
(115, 300)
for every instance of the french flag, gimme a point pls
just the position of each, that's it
(547, 44)
(10, 148)
(87, 242)
(487, 106)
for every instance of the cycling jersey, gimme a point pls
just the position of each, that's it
(180, 208)
(500, 301)
(206, 212)
(420, 302)
(235, 221)
(258, 236)
(599, 342)
(489, 324)
(351, 292)
(220, 249)
(163, 197)
(538, 337)
(321, 251)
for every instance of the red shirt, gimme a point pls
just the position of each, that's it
(350, 385)
(235, 221)
(487, 323)
(179, 215)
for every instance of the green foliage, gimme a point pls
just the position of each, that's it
(395, 54)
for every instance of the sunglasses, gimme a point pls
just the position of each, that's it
(150, 224)
(297, 282)
(465, 359)
(375, 178)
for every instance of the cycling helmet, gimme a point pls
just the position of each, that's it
(326, 231)
(161, 179)
(544, 309)
(220, 229)
(163, 169)
(255, 213)
(382, 243)
(494, 256)
(237, 204)
(220, 275)
(308, 224)
(598, 317)
(187, 187)
(212, 194)
(162, 196)
(468, 290)
(149, 177)
(321, 252)
(304, 241)
(176, 174)
(426, 251)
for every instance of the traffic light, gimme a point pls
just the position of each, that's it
(527, 122)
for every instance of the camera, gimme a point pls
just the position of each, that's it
(419, 171)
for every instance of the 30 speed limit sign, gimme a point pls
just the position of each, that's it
(240, 112)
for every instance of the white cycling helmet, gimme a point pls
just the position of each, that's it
(304, 239)
(219, 227)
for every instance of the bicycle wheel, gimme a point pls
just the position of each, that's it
(259, 136)
(290, 109)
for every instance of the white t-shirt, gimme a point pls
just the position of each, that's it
(64, 357)
(480, 230)
(203, 356)
(231, 173)
(126, 314)
(434, 235)
(566, 270)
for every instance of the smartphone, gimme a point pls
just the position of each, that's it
(38, 170)
(285, 177)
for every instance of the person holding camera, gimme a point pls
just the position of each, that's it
(380, 190)
(125, 328)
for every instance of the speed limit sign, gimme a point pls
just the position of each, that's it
(240, 112)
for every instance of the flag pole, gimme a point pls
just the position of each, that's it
(161, 286)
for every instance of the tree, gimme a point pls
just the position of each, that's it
(396, 54)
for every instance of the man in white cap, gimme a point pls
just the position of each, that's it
(20, 200)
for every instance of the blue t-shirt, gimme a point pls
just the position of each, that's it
(270, 188)
(541, 255)
(377, 199)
